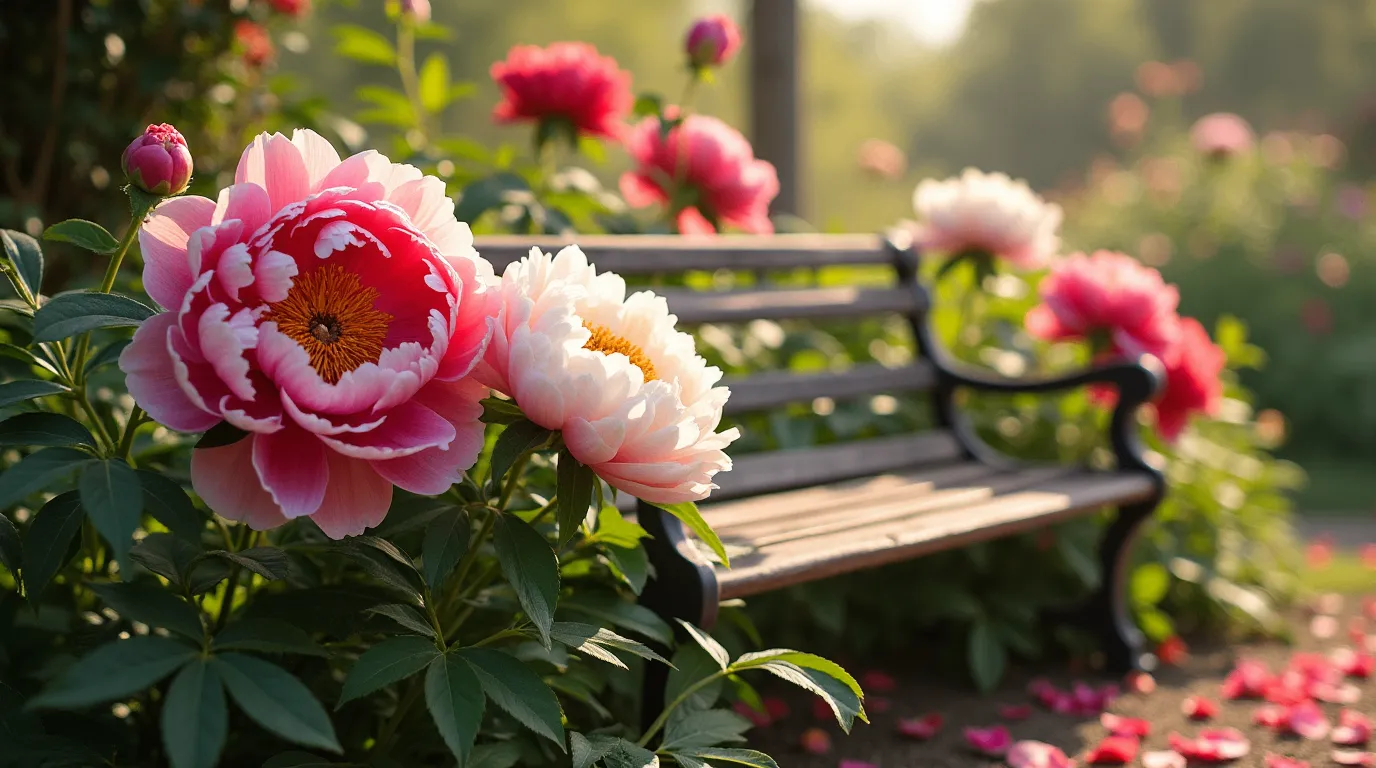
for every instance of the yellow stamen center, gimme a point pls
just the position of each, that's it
(608, 343)
(331, 315)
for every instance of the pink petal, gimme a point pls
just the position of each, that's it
(1015, 711)
(409, 428)
(757, 718)
(275, 164)
(1198, 708)
(1280, 761)
(993, 741)
(1113, 750)
(225, 479)
(152, 380)
(919, 728)
(1036, 754)
(292, 465)
(162, 240)
(1354, 728)
(1118, 725)
(317, 154)
(1354, 757)
(1163, 759)
(856, 764)
(356, 499)
(247, 203)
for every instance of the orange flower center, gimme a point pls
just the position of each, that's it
(608, 343)
(331, 315)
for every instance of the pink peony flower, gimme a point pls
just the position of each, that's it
(987, 213)
(712, 41)
(993, 741)
(1037, 754)
(1218, 745)
(1193, 383)
(1280, 761)
(1353, 729)
(331, 310)
(158, 161)
(706, 170)
(569, 82)
(1109, 297)
(254, 43)
(1222, 134)
(1113, 750)
(632, 397)
(921, 728)
(1198, 708)
(1118, 725)
(1163, 759)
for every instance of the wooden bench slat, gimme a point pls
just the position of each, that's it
(650, 254)
(858, 547)
(742, 306)
(781, 470)
(766, 390)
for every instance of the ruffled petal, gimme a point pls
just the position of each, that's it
(357, 498)
(318, 154)
(152, 379)
(275, 164)
(166, 271)
(292, 467)
(225, 479)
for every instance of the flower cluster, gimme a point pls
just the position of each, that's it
(334, 316)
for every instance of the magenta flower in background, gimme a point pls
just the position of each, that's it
(1222, 134)
(712, 41)
(158, 162)
(254, 43)
(706, 170)
(568, 82)
(332, 311)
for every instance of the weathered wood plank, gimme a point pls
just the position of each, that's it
(780, 470)
(772, 388)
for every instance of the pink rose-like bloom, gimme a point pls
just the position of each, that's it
(416, 9)
(1222, 134)
(158, 161)
(713, 163)
(331, 310)
(989, 213)
(566, 81)
(994, 741)
(1037, 754)
(293, 8)
(1108, 295)
(254, 42)
(1192, 380)
(712, 41)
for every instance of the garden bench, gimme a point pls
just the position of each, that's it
(794, 516)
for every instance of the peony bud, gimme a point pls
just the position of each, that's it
(158, 162)
(416, 9)
(712, 41)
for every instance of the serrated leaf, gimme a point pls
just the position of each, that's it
(106, 355)
(454, 696)
(83, 234)
(27, 389)
(708, 643)
(387, 662)
(165, 555)
(445, 542)
(114, 671)
(36, 472)
(153, 606)
(44, 429)
(269, 562)
(195, 718)
(819, 678)
(688, 514)
(530, 566)
(692, 665)
(48, 541)
(632, 565)
(720, 755)
(515, 440)
(621, 614)
(580, 636)
(615, 530)
(706, 728)
(434, 83)
(113, 498)
(266, 636)
(11, 547)
(514, 687)
(26, 255)
(276, 700)
(169, 504)
(627, 754)
(382, 568)
(574, 484)
(502, 754)
(406, 616)
(69, 314)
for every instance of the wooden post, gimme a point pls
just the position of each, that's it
(773, 51)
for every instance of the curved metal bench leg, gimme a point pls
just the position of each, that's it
(1123, 643)
(684, 587)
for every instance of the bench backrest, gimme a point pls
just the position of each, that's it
(646, 255)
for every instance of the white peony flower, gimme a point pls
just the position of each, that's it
(990, 213)
(632, 397)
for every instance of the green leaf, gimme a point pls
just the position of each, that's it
(987, 656)
(445, 542)
(113, 497)
(27, 257)
(114, 671)
(813, 673)
(1149, 585)
(83, 234)
(483, 195)
(615, 530)
(515, 440)
(296, 759)
(48, 542)
(1080, 560)
(43, 429)
(276, 700)
(574, 483)
(390, 106)
(165, 555)
(530, 566)
(688, 513)
(19, 353)
(387, 662)
(220, 435)
(363, 45)
(623, 614)
(203, 575)
(648, 105)
(71, 313)
(153, 606)
(27, 389)
(405, 615)
(632, 564)
(502, 754)
(514, 687)
(750, 757)
(706, 728)
(168, 503)
(619, 753)
(381, 567)
(454, 696)
(434, 83)
(267, 636)
(37, 472)
(11, 548)
(195, 719)
(582, 751)
(499, 411)
(269, 562)
(106, 355)
(429, 30)
(708, 643)
(591, 640)
(692, 665)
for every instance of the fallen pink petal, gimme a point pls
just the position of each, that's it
(1323, 627)
(1280, 761)
(1354, 757)
(1037, 754)
(878, 704)
(1015, 712)
(1198, 708)
(1353, 663)
(1113, 750)
(1353, 729)
(1248, 680)
(1163, 759)
(756, 717)
(1218, 745)
(857, 764)
(875, 681)
(993, 741)
(921, 728)
(1118, 725)
(1307, 721)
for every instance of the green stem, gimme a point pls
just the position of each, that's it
(102, 433)
(513, 478)
(245, 538)
(112, 269)
(410, 81)
(682, 697)
(408, 700)
(126, 442)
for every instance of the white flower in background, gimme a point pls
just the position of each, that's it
(632, 397)
(990, 213)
